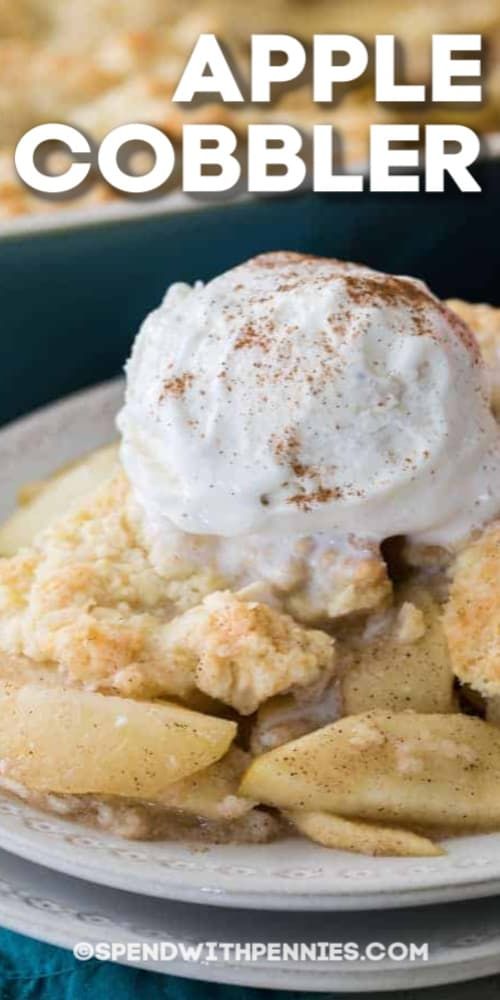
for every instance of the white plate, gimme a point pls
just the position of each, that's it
(292, 874)
(463, 939)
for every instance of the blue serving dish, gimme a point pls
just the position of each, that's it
(72, 299)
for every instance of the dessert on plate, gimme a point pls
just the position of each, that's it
(274, 606)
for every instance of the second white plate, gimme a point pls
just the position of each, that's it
(462, 941)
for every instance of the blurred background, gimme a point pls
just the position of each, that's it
(73, 295)
(101, 63)
(72, 299)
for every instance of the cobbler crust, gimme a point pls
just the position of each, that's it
(86, 599)
(472, 615)
(349, 584)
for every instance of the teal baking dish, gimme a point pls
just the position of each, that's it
(72, 299)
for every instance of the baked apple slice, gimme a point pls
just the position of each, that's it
(71, 741)
(361, 837)
(437, 772)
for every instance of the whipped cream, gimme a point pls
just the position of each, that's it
(296, 396)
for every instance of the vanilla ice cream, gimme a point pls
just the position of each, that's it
(296, 396)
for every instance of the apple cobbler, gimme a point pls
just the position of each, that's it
(103, 64)
(195, 643)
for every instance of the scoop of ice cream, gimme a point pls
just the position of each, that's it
(294, 395)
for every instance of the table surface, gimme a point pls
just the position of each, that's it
(30, 970)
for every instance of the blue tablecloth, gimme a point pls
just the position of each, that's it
(30, 970)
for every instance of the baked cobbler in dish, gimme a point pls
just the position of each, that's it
(275, 606)
(104, 63)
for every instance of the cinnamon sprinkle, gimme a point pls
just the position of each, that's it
(177, 386)
(250, 336)
(286, 450)
(305, 501)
